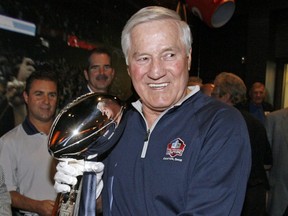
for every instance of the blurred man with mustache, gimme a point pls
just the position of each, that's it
(99, 75)
(99, 72)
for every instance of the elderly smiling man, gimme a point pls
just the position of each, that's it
(182, 152)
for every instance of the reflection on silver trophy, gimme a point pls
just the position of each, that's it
(85, 129)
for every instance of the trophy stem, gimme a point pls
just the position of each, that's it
(65, 203)
(87, 206)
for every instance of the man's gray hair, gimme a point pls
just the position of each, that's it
(151, 13)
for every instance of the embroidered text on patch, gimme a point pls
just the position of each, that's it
(175, 148)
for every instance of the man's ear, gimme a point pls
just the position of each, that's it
(113, 73)
(189, 59)
(86, 74)
(128, 71)
(25, 96)
(226, 98)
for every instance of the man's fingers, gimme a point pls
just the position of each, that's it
(66, 179)
(61, 188)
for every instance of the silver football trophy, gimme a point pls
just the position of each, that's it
(85, 129)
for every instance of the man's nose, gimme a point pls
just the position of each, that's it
(46, 99)
(156, 70)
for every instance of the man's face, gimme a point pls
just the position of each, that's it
(111, 109)
(41, 100)
(105, 110)
(158, 64)
(100, 73)
(257, 94)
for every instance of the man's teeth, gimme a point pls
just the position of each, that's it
(158, 85)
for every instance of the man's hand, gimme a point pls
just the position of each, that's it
(26, 204)
(45, 207)
(67, 172)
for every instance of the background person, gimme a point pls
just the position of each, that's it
(230, 89)
(194, 80)
(99, 72)
(28, 167)
(256, 104)
(6, 110)
(207, 88)
(277, 130)
(15, 88)
(5, 200)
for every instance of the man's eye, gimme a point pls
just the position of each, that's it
(53, 95)
(107, 67)
(169, 56)
(142, 59)
(95, 67)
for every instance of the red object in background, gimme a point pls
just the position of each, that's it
(73, 41)
(215, 13)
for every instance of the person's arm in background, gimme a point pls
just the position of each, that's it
(19, 201)
(42, 207)
(5, 201)
(268, 159)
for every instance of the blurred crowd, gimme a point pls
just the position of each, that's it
(52, 20)
(15, 69)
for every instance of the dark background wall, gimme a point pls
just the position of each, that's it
(257, 32)
(256, 35)
(253, 44)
